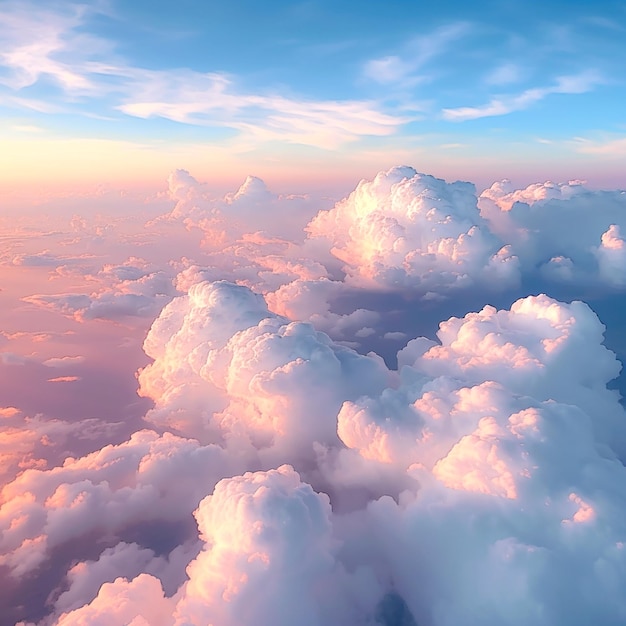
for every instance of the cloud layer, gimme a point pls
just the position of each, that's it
(286, 472)
(502, 432)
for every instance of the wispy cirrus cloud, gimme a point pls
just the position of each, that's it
(403, 68)
(213, 99)
(51, 46)
(503, 105)
(48, 43)
(505, 74)
(612, 147)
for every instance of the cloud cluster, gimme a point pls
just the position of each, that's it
(149, 478)
(268, 556)
(287, 477)
(405, 230)
(483, 478)
(250, 375)
(252, 207)
(562, 233)
(127, 291)
(409, 231)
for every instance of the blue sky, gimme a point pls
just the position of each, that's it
(482, 84)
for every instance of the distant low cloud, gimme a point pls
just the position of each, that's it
(64, 361)
(137, 294)
(588, 251)
(312, 455)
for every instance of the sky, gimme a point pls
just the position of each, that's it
(314, 93)
(312, 313)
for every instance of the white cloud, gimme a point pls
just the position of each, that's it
(417, 53)
(405, 230)
(505, 74)
(482, 477)
(260, 527)
(227, 369)
(532, 221)
(139, 602)
(52, 44)
(611, 256)
(503, 105)
(502, 433)
(214, 100)
(142, 294)
(63, 361)
(145, 479)
(32, 42)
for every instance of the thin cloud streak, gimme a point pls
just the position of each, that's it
(419, 51)
(48, 45)
(576, 84)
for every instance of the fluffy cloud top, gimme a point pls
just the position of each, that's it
(253, 207)
(499, 442)
(565, 233)
(147, 478)
(258, 528)
(532, 350)
(225, 367)
(512, 435)
(482, 481)
(408, 230)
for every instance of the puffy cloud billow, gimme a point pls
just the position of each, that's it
(285, 477)
(405, 230)
(509, 442)
(227, 369)
(564, 233)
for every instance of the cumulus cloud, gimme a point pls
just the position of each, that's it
(260, 527)
(290, 478)
(145, 479)
(611, 255)
(257, 528)
(252, 207)
(311, 300)
(129, 561)
(250, 375)
(565, 232)
(530, 350)
(518, 470)
(405, 230)
(507, 438)
(139, 602)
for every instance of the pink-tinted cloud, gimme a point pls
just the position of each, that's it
(405, 230)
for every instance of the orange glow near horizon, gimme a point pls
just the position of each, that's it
(35, 167)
